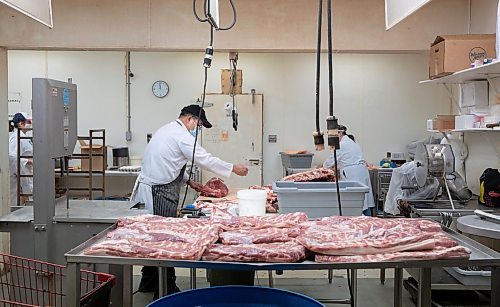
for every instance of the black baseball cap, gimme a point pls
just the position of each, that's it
(194, 110)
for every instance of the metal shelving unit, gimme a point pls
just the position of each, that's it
(19, 176)
(99, 135)
(484, 72)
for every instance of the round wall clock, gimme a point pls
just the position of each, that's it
(160, 88)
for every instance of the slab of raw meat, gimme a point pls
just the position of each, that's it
(158, 237)
(140, 249)
(456, 252)
(272, 198)
(214, 187)
(228, 222)
(315, 175)
(257, 236)
(271, 252)
(366, 235)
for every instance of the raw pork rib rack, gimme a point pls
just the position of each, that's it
(278, 238)
(152, 236)
(214, 187)
(315, 175)
(357, 239)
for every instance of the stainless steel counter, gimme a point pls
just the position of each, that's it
(80, 211)
(481, 256)
(474, 225)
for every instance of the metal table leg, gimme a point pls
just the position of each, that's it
(330, 276)
(382, 276)
(163, 281)
(72, 285)
(192, 276)
(398, 287)
(424, 298)
(271, 280)
(495, 286)
(354, 285)
(128, 285)
(117, 294)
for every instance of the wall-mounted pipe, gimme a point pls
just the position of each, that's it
(128, 133)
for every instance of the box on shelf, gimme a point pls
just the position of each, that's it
(296, 160)
(444, 122)
(319, 199)
(98, 162)
(465, 121)
(452, 53)
(473, 94)
(226, 81)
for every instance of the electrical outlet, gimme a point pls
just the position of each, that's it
(272, 138)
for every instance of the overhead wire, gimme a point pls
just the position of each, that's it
(318, 62)
(206, 63)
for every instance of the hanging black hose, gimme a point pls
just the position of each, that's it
(318, 135)
(330, 63)
(318, 61)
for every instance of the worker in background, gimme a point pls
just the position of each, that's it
(26, 164)
(163, 172)
(352, 165)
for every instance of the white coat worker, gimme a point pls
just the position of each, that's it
(352, 165)
(26, 164)
(162, 173)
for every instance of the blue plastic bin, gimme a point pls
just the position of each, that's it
(239, 296)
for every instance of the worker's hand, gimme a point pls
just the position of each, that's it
(195, 185)
(240, 169)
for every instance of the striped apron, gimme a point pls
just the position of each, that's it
(166, 196)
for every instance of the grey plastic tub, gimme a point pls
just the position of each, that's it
(319, 199)
(296, 160)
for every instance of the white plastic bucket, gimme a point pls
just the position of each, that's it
(252, 202)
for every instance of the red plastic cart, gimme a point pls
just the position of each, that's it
(27, 282)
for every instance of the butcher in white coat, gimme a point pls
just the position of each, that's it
(352, 165)
(163, 172)
(26, 164)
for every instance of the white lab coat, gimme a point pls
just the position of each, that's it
(26, 168)
(405, 175)
(170, 148)
(352, 166)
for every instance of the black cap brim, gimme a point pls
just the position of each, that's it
(205, 122)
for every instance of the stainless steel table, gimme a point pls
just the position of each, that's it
(474, 225)
(481, 256)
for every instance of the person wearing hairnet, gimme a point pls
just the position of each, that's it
(26, 164)
(163, 171)
(352, 165)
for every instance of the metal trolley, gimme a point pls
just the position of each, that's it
(28, 283)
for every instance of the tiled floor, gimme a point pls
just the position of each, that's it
(311, 283)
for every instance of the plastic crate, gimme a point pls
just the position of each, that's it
(319, 199)
(241, 296)
(27, 282)
(296, 160)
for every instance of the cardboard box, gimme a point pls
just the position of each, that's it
(98, 162)
(226, 81)
(444, 122)
(452, 53)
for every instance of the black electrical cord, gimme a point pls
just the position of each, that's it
(234, 114)
(330, 64)
(318, 62)
(198, 121)
(207, 16)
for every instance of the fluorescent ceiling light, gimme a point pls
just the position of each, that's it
(398, 10)
(39, 10)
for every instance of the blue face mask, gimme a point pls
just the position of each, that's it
(195, 132)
